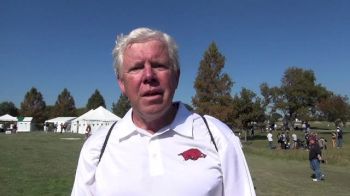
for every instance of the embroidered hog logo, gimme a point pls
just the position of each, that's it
(192, 154)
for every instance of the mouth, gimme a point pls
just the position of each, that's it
(152, 93)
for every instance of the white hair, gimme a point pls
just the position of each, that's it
(140, 35)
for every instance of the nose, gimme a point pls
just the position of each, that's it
(149, 75)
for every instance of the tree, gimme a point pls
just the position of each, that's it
(34, 106)
(213, 88)
(335, 109)
(81, 111)
(96, 100)
(122, 106)
(50, 112)
(248, 110)
(296, 97)
(7, 107)
(65, 105)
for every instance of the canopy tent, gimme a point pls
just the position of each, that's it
(7, 123)
(8, 118)
(59, 124)
(97, 118)
(24, 124)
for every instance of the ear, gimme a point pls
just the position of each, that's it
(121, 85)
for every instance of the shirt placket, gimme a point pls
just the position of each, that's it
(156, 167)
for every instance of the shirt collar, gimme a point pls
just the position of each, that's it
(182, 124)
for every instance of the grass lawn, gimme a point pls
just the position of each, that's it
(38, 163)
(287, 172)
(44, 164)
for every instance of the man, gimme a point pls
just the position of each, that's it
(339, 137)
(315, 157)
(295, 141)
(270, 140)
(159, 147)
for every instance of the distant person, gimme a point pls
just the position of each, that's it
(252, 132)
(315, 157)
(283, 140)
(334, 139)
(322, 143)
(88, 131)
(295, 141)
(14, 128)
(270, 140)
(46, 127)
(287, 140)
(65, 127)
(339, 137)
(159, 148)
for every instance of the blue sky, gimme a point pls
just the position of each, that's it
(52, 45)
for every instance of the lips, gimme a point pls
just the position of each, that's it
(153, 92)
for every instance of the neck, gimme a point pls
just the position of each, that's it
(152, 125)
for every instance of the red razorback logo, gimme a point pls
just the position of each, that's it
(192, 154)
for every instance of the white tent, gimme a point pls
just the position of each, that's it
(100, 117)
(7, 122)
(25, 124)
(57, 122)
(8, 118)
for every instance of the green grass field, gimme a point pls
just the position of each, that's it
(44, 164)
(38, 163)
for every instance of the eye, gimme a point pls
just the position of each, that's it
(160, 66)
(136, 68)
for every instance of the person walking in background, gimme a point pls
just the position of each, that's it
(88, 131)
(270, 140)
(322, 143)
(61, 127)
(339, 137)
(159, 147)
(334, 139)
(295, 141)
(315, 158)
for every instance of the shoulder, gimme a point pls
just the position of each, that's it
(222, 134)
(92, 147)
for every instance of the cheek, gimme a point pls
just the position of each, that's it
(131, 87)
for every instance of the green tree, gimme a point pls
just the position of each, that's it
(7, 107)
(335, 109)
(213, 88)
(296, 97)
(81, 111)
(34, 106)
(122, 106)
(50, 112)
(65, 105)
(96, 100)
(248, 110)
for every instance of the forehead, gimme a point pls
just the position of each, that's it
(151, 49)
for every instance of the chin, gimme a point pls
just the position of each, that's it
(155, 109)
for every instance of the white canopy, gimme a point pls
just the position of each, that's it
(8, 117)
(58, 121)
(99, 114)
(97, 118)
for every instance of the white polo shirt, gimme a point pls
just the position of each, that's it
(178, 160)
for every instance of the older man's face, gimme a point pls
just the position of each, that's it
(147, 79)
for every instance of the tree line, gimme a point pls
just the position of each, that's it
(33, 105)
(298, 96)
